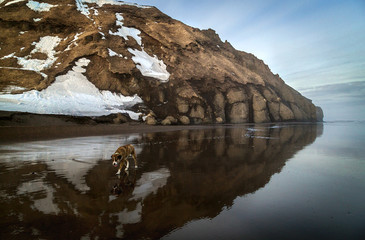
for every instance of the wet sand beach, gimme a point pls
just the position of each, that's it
(269, 181)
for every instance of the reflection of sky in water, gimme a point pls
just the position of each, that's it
(319, 193)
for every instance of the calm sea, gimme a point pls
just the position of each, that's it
(279, 181)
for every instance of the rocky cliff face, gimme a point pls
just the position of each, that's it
(172, 72)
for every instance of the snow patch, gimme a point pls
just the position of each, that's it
(45, 45)
(103, 35)
(40, 7)
(12, 2)
(100, 3)
(82, 5)
(125, 32)
(70, 94)
(83, 8)
(73, 42)
(8, 56)
(96, 12)
(112, 53)
(34, 64)
(150, 66)
(37, 19)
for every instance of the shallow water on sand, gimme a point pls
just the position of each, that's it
(232, 182)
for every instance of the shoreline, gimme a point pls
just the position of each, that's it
(24, 127)
(38, 133)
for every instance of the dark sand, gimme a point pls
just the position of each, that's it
(16, 127)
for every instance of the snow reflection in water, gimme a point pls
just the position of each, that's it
(70, 158)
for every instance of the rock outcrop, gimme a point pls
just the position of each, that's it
(180, 72)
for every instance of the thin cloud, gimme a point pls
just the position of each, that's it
(344, 101)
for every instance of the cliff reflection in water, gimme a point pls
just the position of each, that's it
(183, 176)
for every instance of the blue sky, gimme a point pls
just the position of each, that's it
(316, 46)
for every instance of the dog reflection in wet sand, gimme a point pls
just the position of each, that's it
(125, 184)
(121, 157)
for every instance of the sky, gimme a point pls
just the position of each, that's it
(316, 46)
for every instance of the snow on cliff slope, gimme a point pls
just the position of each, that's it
(125, 32)
(40, 7)
(70, 94)
(147, 65)
(84, 8)
(150, 66)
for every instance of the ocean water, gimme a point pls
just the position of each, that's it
(278, 181)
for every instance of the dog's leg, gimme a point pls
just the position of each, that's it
(134, 158)
(127, 167)
(120, 167)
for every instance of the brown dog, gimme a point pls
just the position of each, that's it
(121, 156)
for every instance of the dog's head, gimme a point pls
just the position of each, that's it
(116, 189)
(116, 159)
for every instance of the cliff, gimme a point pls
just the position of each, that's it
(94, 57)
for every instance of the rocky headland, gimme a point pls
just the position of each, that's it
(137, 61)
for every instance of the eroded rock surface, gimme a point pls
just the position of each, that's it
(177, 70)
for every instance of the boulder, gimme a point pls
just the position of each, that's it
(151, 120)
(169, 120)
(219, 120)
(166, 122)
(184, 120)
